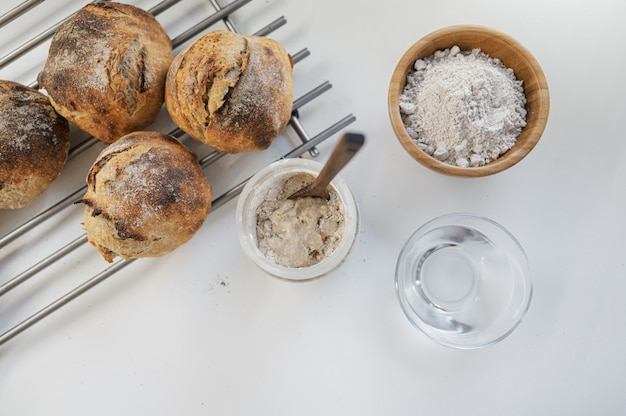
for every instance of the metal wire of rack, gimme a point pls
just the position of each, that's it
(221, 14)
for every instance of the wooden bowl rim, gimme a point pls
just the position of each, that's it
(527, 139)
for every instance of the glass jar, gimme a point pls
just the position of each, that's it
(254, 193)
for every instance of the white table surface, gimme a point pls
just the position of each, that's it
(203, 331)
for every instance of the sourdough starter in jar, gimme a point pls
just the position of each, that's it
(300, 232)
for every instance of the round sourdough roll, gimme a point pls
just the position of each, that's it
(230, 91)
(106, 69)
(146, 195)
(34, 143)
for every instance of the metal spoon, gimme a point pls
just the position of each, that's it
(347, 147)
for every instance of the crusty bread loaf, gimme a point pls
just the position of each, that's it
(230, 91)
(34, 143)
(146, 196)
(106, 69)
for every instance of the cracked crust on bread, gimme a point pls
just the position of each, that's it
(230, 91)
(34, 144)
(106, 67)
(146, 196)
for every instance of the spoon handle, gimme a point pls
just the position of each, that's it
(346, 148)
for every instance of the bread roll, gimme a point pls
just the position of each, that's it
(106, 69)
(34, 143)
(146, 196)
(230, 91)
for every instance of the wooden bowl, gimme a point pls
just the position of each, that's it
(497, 45)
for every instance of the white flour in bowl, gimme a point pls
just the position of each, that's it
(464, 108)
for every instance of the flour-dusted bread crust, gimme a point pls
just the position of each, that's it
(230, 91)
(146, 196)
(34, 143)
(106, 69)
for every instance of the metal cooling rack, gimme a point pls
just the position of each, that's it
(222, 14)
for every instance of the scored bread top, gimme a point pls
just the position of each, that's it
(106, 69)
(230, 91)
(146, 196)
